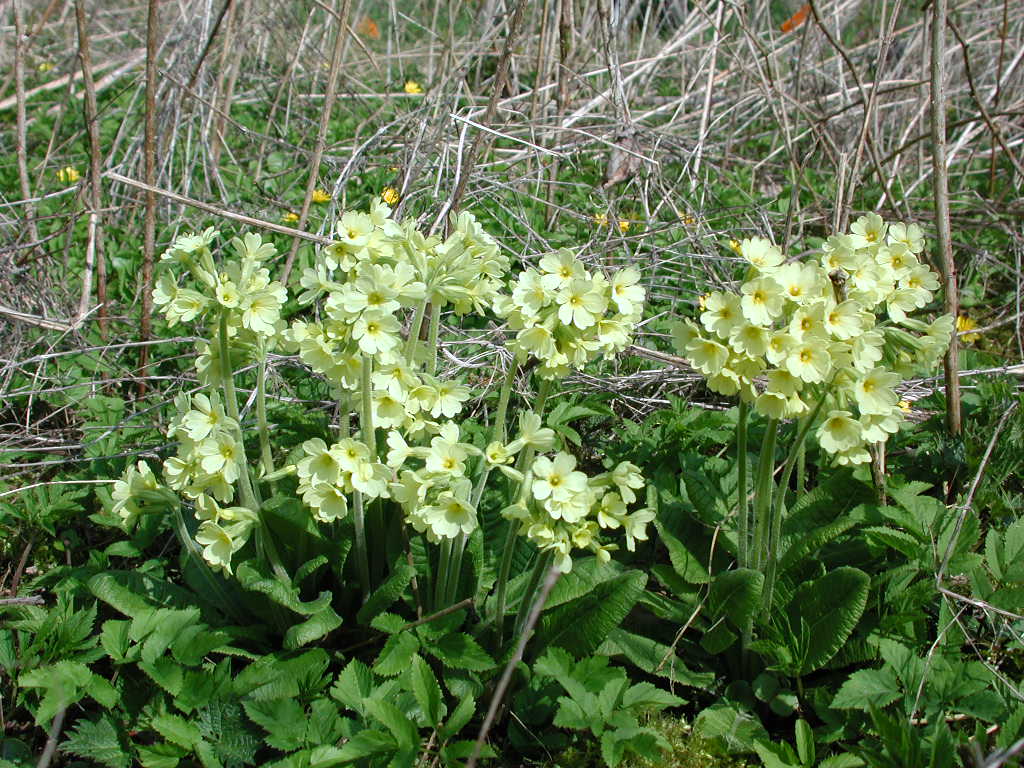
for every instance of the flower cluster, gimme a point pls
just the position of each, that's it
(566, 510)
(837, 328)
(241, 290)
(565, 315)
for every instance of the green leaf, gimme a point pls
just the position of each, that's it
(396, 656)
(317, 626)
(283, 719)
(687, 565)
(866, 688)
(160, 755)
(401, 575)
(826, 610)
(460, 651)
(354, 686)
(166, 673)
(366, 743)
(845, 760)
(176, 730)
(459, 718)
(736, 594)
(426, 690)
(581, 625)
(645, 697)
(776, 755)
(97, 740)
(397, 722)
(804, 742)
(653, 658)
(63, 684)
(729, 729)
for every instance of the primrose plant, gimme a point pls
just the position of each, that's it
(399, 472)
(825, 342)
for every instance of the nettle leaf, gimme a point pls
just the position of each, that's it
(97, 740)
(825, 610)
(581, 625)
(426, 690)
(736, 595)
(393, 587)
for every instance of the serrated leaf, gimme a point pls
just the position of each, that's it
(396, 656)
(458, 719)
(63, 684)
(391, 717)
(176, 730)
(97, 740)
(353, 686)
(166, 673)
(160, 755)
(283, 719)
(645, 697)
(460, 651)
(426, 690)
(868, 688)
(845, 760)
(366, 743)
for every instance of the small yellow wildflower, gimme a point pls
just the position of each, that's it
(68, 175)
(320, 196)
(624, 226)
(687, 219)
(734, 246)
(965, 323)
(411, 86)
(904, 406)
(290, 217)
(45, 66)
(389, 195)
(601, 219)
(702, 301)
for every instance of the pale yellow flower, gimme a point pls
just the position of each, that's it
(411, 86)
(624, 225)
(601, 219)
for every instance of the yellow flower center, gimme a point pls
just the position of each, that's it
(806, 356)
